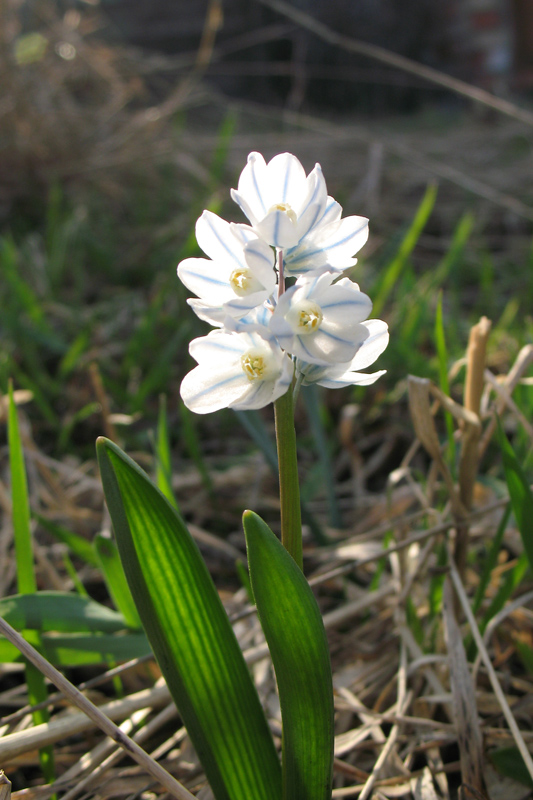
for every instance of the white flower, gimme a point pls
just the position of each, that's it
(329, 245)
(238, 276)
(282, 204)
(337, 375)
(235, 370)
(320, 322)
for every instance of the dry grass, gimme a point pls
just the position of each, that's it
(402, 710)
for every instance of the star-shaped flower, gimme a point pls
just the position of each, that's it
(235, 370)
(238, 275)
(282, 204)
(335, 376)
(320, 322)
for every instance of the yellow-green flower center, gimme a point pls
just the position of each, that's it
(243, 282)
(305, 317)
(256, 365)
(287, 209)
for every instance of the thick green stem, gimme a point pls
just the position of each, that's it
(289, 487)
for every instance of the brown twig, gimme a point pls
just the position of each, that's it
(399, 62)
(95, 714)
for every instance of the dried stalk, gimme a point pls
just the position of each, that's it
(469, 460)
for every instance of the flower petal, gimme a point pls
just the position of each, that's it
(205, 389)
(351, 379)
(286, 181)
(374, 344)
(278, 229)
(218, 240)
(252, 187)
(207, 279)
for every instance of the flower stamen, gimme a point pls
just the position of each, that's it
(243, 282)
(256, 365)
(287, 209)
(306, 317)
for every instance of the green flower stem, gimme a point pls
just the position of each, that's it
(289, 487)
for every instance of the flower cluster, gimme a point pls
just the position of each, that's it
(274, 292)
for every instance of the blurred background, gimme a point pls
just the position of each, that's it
(120, 121)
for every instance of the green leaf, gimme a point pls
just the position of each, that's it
(59, 611)
(440, 342)
(21, 509)
(190, 634)
(79, 649)
(520, 494)
(491, 561)
(509, 762)
(294, 630)
(79, 546)
(393, 271)
(37, 691)
(115, 579)
(162, 453)
(311, 398)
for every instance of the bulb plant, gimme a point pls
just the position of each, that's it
(283, 315)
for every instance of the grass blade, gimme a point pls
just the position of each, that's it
(190, 634)
(491, 561)
(21, 508)
(77, 544)
(310, 397)
(294, 630)
(393, 271)
(37, 691)
(440, 342)
(116, 582)
(520, 494)
(162, 453)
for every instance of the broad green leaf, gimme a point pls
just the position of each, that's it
(115, 579)
(294, 630)
(78, 649)
(520, 494)
(59, 611)
(190, 634)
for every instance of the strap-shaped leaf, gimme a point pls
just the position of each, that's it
(115, 579)
(59, 611)
(80, 649)
(190, 634)
(294, 630)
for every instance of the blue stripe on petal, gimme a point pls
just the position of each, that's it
(222, 242)
(335, 338)
(200, 276)
(316, 191)
(286, 182)
(351, 302)
(215, 386)
(256, 187)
